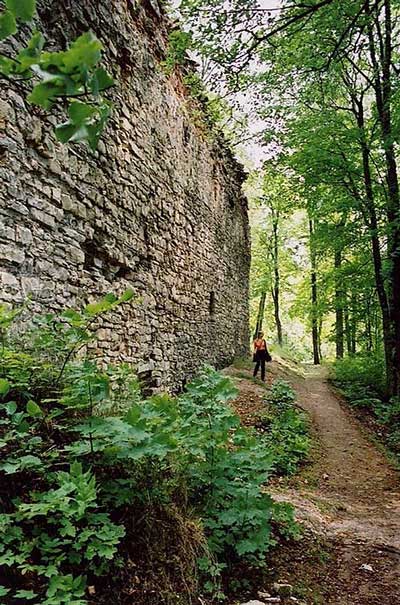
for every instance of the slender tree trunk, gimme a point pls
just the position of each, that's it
(377, 330)
(376, 251)
(353, 324)
(276, 286)
(382, 63)
(353, 338)
(314, 298)
(339, 299)
(320, 339)
(368, 334)
(347, 327)
(260, 314)
(368, 325)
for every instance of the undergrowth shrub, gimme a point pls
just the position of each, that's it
(361, 379)
(281, 395)
(361, 376)
(286, 429)
(294, 351)
(99, 486)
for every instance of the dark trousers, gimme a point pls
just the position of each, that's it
(258, 363)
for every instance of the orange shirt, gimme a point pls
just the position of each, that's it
(260, 344)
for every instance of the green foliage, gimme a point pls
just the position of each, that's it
(288, 441)
(361, 380)
(329, 104)
(389, 415)
(16, 10)
(8, 25)
(54, 525)
(179, 43)
(286, 429)
(281, 395)
(79, 445)
(86, 123)
(229, 477)
(361, 375)
(62, 76)
(22, 10)
(58, 528)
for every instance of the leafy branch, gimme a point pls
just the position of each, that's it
(64, 75)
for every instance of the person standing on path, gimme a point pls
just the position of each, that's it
(260, 355)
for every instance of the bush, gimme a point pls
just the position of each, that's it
(91, 473)
(361, 376)
(362, 381)
(226, 481)
(294, 351)
(281, 395)
(286, 437)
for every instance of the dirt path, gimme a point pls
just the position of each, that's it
(348, 499)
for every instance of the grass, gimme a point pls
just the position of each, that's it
(242, 363)
(370, 432)
(244, 376)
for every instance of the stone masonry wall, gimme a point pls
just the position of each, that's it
(158, 208)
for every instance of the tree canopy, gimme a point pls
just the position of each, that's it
(324, 77)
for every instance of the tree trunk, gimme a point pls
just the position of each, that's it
(353, 324)
(383, 95)
(339, 299)
(260, 314)
(377, 330)
(368, 325)
(314, 298)
(353, 338)
(276, 286)
(320, 339)
(347, 327)
(376, 252)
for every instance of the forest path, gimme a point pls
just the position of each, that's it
(347, 498)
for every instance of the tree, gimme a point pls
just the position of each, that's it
(336, 59)
(272, 258)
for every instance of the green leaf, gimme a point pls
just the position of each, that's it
(86, 124)
(73, 317)
(25, 594)
(12, 465)
(45, 93)
(22, 9)
(84, 53)
(8, 25)
(127, 295)
(110, 298)
(134, 415)
(11, 407)
(80, 112)
(101, 80)
(105, 304)
(4, 591)
(75, 130)
(95, 130)
(33, 409)
(31, 54)
(7, 66)
(4, 387)
(70, 132)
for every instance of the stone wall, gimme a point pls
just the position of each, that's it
(158, 208)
